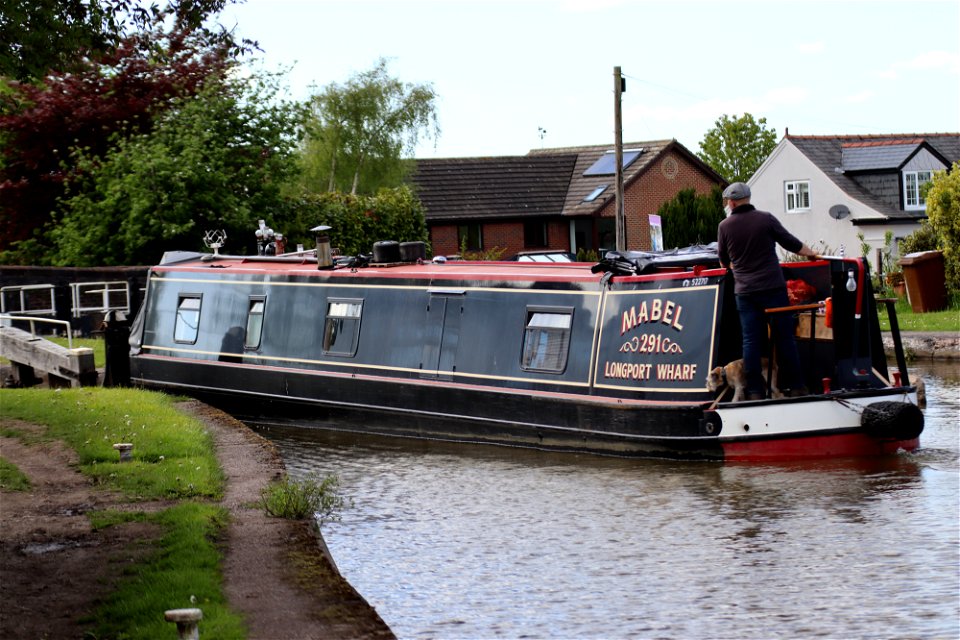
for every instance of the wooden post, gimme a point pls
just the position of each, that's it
(621, 223)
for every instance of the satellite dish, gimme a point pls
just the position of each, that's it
(839, 211)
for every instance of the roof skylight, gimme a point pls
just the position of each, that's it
(596, 193)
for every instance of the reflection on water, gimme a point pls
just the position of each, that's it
(456, 541)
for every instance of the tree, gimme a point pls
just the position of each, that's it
(357, 132)
(60, 35)
(357, 221)
(120, 94)
(736, 147)
(215, 160)
(690, 218)
(943, 210)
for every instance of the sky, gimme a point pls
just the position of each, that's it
(516, 75)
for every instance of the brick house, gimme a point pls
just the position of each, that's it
(553, 199)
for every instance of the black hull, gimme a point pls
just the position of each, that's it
(458, 413)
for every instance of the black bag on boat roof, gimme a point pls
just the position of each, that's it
(639, 262)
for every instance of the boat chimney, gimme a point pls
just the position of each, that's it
(324, 260)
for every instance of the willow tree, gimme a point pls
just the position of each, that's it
(358, 132)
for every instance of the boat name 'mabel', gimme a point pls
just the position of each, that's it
(667, 313)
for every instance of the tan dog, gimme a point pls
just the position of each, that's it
(733, 376)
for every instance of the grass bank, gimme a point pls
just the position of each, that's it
(173, 459)
(11, 478)
(945, 321)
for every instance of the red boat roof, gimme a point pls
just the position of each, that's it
(452, 270)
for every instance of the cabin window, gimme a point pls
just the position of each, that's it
(534, 234)
(546, 341)
(254, 323)
(797, 195)
(341, 331)
(187, 325)
(913, 182)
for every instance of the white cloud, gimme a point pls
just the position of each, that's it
(811, 47)
(786, 95)
(948, 61)
(859, 97)
(585, 6)
(713, 108)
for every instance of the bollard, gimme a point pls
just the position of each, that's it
(126, 451)
(186, 620)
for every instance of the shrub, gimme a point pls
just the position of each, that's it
(923, 239)
(943, 209)
(307, 498)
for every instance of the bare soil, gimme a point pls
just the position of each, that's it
(54, 569)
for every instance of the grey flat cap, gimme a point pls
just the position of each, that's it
(736, 191)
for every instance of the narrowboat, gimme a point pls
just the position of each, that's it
(608, 358)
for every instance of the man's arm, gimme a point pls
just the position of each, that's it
(807, 252)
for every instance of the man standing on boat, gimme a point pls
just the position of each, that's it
(746, 243)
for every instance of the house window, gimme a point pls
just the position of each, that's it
(187, 325)
(798, 196)
(913, 182)
(546, 340)
(254, 323)
(534, 234)
(341, 332)
(469, 237)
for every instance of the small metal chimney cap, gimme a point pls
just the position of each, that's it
(321, 228)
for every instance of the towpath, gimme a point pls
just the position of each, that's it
(54, 567)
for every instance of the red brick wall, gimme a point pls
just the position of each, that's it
(504, 235)
(659, 184)
(443, 238)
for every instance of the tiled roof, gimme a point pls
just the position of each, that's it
(493, 187)
(543, 182)
(581, 186)
(872, 158)
(827, 152)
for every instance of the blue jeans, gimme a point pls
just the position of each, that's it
(753, 322)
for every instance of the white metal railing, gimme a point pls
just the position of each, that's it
(7, 320)
(81, 294)
(23, 292)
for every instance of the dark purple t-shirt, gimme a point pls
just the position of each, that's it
(747, 240)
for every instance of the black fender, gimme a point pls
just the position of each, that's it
(894, 420)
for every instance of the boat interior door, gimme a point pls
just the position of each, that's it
(441, 334)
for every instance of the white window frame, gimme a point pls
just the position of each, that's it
(913, 181)
(186, 327)
(255, 312)
(793, 196)
(546, 341)
(341, 332)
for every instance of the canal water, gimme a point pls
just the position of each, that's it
(491, 542)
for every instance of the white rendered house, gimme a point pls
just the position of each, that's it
(828, 190)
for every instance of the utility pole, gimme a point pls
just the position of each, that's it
(621, 223)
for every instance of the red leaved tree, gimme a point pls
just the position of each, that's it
(117, 94)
